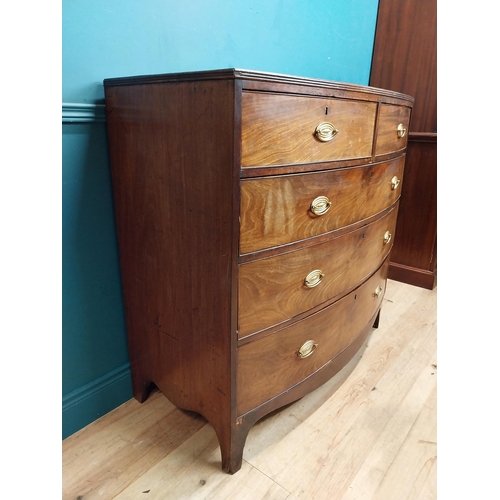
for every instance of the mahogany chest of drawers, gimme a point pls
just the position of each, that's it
(255, 215)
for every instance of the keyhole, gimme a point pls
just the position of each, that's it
(326, 110)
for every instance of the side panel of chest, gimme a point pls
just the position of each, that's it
(175, 194)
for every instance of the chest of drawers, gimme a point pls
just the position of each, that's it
(255, 215)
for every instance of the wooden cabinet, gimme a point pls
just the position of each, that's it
(255, 216)
(404, 60)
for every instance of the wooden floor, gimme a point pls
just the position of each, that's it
(367, 434)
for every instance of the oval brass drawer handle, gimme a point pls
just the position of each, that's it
(401, 130)
(377, 291)
(307, 349)
(325, 131)
(387, 237)
(320, 205)
(313, 278)
(395, 182)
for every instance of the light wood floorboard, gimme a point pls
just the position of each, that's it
(367, 434)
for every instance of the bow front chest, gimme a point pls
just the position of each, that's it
(255, 215)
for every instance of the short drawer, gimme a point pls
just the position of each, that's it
(278, 210)
(271, 365)
(392, 129)
(275, 289)
(284, 129)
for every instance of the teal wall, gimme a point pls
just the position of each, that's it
(331, 39)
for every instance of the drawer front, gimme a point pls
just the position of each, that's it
(278, 288)
(278, 210)
(281, 129)
(392, 130)
(270, 366)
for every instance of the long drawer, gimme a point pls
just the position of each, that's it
(273, 364)
(278, 288)
(278, 210)
(289, 129)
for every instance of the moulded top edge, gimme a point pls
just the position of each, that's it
(244, 74)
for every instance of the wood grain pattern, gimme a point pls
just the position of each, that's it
(168, 203)
(373, 428)
(276, 210)
(279, 129)
(270, 366)
(176, 154)
(369, 432)
(272, 290)
(125, 444)
(389, 118)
